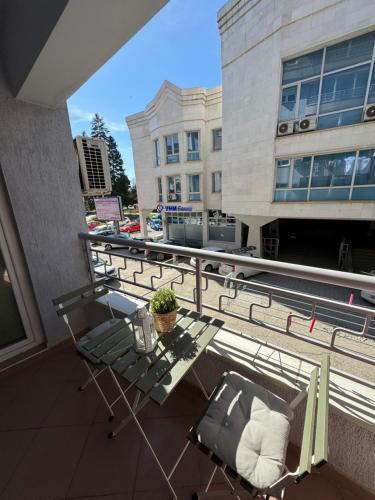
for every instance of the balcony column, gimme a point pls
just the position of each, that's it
(143, 222)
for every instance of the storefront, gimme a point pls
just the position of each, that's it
(186, 227)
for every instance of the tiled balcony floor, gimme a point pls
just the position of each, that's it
(53, 442)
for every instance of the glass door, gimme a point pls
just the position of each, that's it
(11, 326)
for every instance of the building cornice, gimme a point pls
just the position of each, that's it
(232, 11)
(185, 97)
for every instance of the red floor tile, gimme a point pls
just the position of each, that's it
(107, 466)
(46, 470)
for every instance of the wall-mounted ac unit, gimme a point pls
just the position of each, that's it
(369, 113)
(285, 128)
(93, 166)
(307, 124)
(172, 197)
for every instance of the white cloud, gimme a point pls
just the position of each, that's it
(79, 115)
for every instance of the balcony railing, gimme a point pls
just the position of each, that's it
(341, 327)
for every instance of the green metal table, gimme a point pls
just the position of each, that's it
(154, 375)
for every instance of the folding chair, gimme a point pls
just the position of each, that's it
(244, 430)
(111, 328)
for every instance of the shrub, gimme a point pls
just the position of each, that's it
(163, 301)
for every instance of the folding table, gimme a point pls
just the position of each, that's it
(154, 375)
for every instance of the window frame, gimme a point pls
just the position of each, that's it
(323, 74)
(194, 192)
(159, 187)
(157, 157)
(193, 152)
(177, 194)
(173, 154)
(213, 181)
(213, 140)
(309, 188)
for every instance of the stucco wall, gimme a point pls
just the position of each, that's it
(41, 175)
(256, 36)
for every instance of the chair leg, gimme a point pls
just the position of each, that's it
(93, 379)
(131, 411)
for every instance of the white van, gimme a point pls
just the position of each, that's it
(240, 272)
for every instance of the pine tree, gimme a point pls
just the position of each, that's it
(120, 181)
(115, 160)
(98, 128)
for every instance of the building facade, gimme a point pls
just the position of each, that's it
(177, 156)
(299, 119)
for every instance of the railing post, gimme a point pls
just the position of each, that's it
(198, 285)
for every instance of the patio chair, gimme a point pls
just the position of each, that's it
(244, 430)
(112, 328)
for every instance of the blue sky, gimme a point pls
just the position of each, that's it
(180, 44)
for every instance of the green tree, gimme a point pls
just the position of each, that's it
(120, 181)
(98, 128)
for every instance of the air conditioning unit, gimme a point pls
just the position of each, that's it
(307, 124)
(172, 197)
(93, 166)
(285, 128)
(369, 113)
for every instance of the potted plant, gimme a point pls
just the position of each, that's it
(163, 306)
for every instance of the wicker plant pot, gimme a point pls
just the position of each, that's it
(165, 323)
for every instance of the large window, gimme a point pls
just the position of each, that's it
(329, 177)
(192, 146)
(216, 139)
(194, 188)
(160, 189)
(157, 152)
(172, 148)
(216, 182)
(174, 188)
(221, 227)
(333, 84)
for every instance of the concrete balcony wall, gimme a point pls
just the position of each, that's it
(40, 173)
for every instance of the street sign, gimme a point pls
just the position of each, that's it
(109, 208)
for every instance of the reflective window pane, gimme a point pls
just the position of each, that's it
(288, 104)
(363, 193)
(291, 195)
(301, 172)
(333, 170)
(329, 194)
(216, 139)
(340, 119)
(365, 171)
(349, 52)
(302, 67)
(308, 98)
(283, 171)
(345, 89)
(371, 95)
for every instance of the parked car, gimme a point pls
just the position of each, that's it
(240, 272)
(208, 265)
(101, 232)
(123, 236)
(132, 227)
(92, 225)
(159, 256)
(102, 268)
(135, 250)
(156, 224)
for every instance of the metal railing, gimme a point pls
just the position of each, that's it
(286, 311)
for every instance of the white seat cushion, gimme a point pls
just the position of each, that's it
(247, 427)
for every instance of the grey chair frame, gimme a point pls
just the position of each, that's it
(71, 301)
(314, 447)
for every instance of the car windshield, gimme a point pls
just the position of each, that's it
(98, 262)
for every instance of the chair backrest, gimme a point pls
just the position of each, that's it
(79, 297)
(314, 449)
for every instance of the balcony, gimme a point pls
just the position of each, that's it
(54, 438)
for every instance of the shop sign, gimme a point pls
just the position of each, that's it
(173, 208)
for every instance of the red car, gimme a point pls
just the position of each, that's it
(132, 227)
(93, 225)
